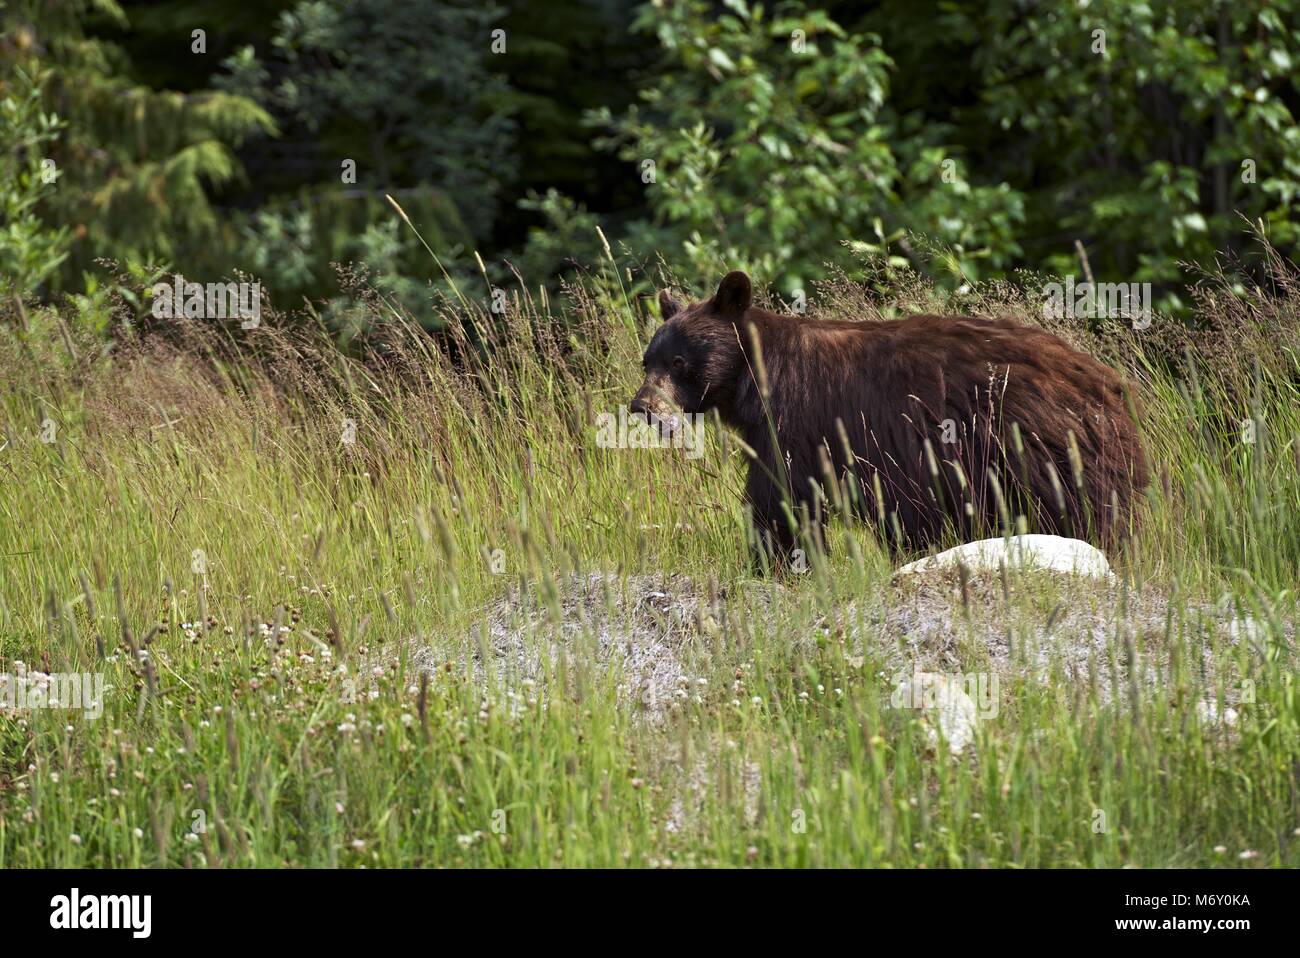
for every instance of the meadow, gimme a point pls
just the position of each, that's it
(395, 607)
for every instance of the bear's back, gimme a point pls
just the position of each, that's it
(955, 387)
(907, 353)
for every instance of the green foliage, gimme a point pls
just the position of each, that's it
(964, 141)
(567, 236)
(138, 165)
(1141, 127)
(298, 245)
(30, 250)
(989, 137)
(426, 112)
(772, 143)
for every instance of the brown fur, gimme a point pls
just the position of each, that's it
(886, 390)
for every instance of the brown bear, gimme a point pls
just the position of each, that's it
(930, 426)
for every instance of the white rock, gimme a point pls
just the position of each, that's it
(1053, 553)
(943, 702)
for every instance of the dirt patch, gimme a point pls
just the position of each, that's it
(657, 632)
(1092, 633)
(647, 626)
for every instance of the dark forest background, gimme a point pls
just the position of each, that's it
(965, 141)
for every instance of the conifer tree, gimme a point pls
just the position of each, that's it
(135, 164)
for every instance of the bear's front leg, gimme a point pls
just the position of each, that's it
(773, 537)
(777, 526)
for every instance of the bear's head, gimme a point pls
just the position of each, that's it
(695, 361)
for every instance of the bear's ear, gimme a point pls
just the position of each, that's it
(668, 307)
(734, 294)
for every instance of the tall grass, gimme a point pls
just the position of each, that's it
(252, 539)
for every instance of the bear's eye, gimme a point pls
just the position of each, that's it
(679, 364)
